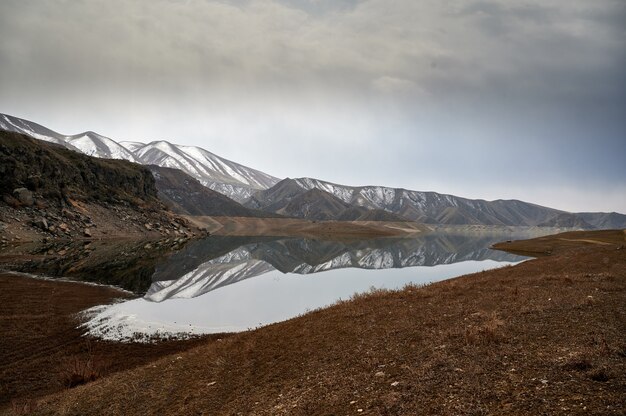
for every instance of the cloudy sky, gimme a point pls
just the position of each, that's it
(489, 99)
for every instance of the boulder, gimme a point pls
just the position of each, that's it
(87, 232)
(24, 196)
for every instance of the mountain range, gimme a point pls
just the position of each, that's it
(222, 175)
(425, 207)
(307, 198)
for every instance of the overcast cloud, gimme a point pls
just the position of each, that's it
(491, 99)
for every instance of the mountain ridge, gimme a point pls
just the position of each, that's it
(215, 172)
(258, 190)
(432, 207)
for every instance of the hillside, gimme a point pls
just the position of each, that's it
(541, 337)
(432, 207)
(48, 190)
(227, 177)
(290, 199)
(186, 196)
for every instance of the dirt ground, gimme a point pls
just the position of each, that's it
(295, 227)
(553, 244)
(545, 337)
(42, 351)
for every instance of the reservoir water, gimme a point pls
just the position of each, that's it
(229, 284)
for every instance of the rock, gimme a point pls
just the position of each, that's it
(87, 232)
(24, 196)
(41, 223)
(63, 227)
(148, 226)
(379, 374)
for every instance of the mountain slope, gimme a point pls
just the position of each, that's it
(229, 178)
(290, 198)
(89, 143)
(607, 221)
(96, 145)
(37, 131)
(185, 195)
(432, 207)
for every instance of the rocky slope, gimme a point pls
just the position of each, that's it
(48, 190)
(186, 196)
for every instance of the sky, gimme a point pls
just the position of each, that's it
(492, 99)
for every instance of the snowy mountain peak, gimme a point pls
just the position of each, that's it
(94, 144)
(222, 175)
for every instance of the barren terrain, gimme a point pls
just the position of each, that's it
(293, 227)
(542, 337)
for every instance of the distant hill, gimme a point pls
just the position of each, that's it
(605, 221)
(567, 220)
(424, 207)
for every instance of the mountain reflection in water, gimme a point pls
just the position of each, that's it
(209, 264)
(228, 284)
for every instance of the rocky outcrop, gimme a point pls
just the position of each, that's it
(31, 168)
(51, 192)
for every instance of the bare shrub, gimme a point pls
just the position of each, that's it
(487, 332)
(79, 370)
(373, 291)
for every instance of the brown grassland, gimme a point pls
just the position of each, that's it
(547, 336)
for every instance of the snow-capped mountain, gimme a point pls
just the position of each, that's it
(224, 176)
(89, 143)
(37, 131)
(261, 191)
(229, 178)
(431, 207)
(94, 144)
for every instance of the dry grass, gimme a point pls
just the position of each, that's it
(42, 351)
(511, 341)
(488, 331)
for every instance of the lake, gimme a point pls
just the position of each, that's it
(230, 284)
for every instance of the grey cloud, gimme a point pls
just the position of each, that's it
(431, 81)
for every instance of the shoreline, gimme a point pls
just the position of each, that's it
(513, 340)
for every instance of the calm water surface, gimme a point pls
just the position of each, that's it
(227, 284)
